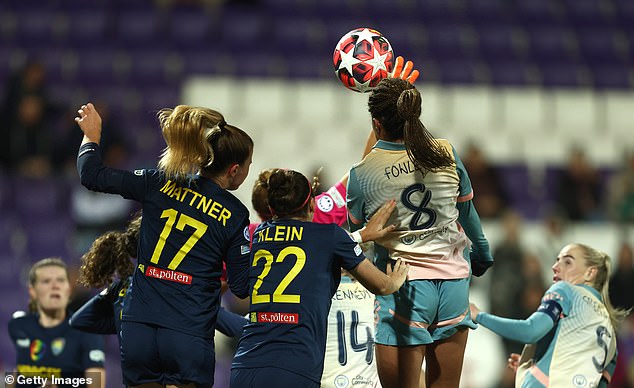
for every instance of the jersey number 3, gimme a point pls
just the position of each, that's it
(278, 295)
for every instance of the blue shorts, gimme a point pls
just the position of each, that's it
(422, 312)
(268, 377)
(153, 354)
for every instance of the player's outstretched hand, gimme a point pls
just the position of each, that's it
(404, 70)
(397, 274)
(90, 123)
(375, 228)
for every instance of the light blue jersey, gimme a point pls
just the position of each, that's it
(574, 339)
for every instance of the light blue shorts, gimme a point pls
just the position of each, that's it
(422, 312)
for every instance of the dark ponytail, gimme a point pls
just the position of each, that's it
(397, 105)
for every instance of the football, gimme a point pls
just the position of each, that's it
(362, 58)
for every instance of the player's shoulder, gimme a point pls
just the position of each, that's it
(235, 201)
(21, 321)
(560, 290)
(20, 317)
(447, 146)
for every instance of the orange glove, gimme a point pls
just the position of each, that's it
(404, 72)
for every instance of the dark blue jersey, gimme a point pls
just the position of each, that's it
(295, 271)
(61, 351)
(186, 231)
(102, 313)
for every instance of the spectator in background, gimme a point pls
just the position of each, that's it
(579, 189)
(622, 283)
(490, 198)
(27, 106)
(30, 139)
(553, 235)
(621, 192)
(505, 287)
(30, 79)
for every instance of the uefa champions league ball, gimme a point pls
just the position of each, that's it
(362, 58)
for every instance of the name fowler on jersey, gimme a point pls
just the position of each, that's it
(214, 209)
(396, 170)
(280, 233)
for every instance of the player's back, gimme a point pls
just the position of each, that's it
(427, 235)
(295, 271)
(187, 230)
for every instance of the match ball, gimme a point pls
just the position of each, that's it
(362, 58)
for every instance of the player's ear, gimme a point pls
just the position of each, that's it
(376, 126)
(233, 170)
(32, 293)
(591, 274)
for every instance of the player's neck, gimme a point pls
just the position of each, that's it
(51, 318)
(222, 180)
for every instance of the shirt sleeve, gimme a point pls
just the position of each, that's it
(330, 206)
(468, 216)
(97, 177)
(470, 222)
(465, 191)
(230, 324)
(97, 315)
(237, 260)
(526, 331)
(347, 250)
(560, 292)
(13, 330)
(354, 202)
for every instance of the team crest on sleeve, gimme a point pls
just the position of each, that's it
(325, 204)
(247, 235)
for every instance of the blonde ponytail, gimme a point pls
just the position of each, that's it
(187, 132)
(603, 263)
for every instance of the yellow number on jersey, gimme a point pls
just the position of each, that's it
(183, 220)
(278, 295)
